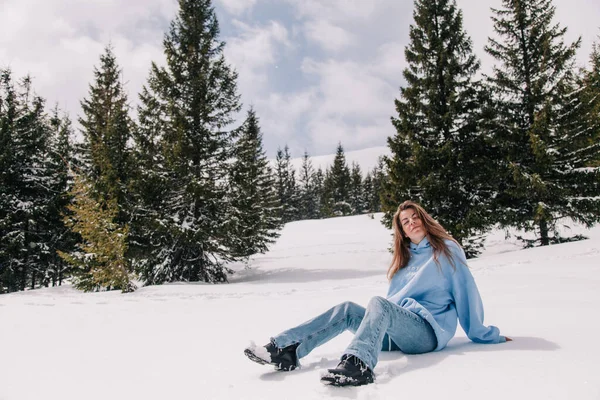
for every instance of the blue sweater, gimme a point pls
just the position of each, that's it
(440, 294)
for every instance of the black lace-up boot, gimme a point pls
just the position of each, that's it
(283, 359)
(351, 371)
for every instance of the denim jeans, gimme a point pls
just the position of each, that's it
(382, 326)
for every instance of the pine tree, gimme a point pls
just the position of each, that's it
(60, 164)
(255, 220)
(538, 127)
(307, 190)
(379, 180)
(327, 208)
(589, 100)
(107, 128)
(340, 181)
(286, 185)
(185, 111)
(356, 190)
(318, 179)
(368, 193)
(438, 154)
(25, 191)
(8, 177)
(99, 262)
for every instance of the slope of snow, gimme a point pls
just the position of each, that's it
(186, 341)
(366, 158)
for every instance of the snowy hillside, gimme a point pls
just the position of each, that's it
(366, 158)
(186, 341)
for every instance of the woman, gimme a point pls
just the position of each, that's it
(430, 288)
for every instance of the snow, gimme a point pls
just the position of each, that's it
(186, 341)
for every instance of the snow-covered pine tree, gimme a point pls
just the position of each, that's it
(339, 174)
(538, 127)
(186, 109)
(326, 194)
(255, 217)
(367, 193)
(356, 192)
(59, 165)
(99, 262)
(589, 99)
(378, 181)
(438, 154)
(106, 129)
(318, 180)
(308, 208)
(286, 185)
(9, 269)
(106, 170)
(25, 191)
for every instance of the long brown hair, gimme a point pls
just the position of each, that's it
(436, 234)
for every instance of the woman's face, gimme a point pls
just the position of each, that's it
(412, 225)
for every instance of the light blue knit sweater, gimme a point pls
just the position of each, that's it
(440, 294)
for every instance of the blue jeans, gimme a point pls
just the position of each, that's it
(382, 326)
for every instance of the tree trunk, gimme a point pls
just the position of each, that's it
(544, 240)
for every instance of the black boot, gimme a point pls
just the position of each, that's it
(351, 371)
(283, 359)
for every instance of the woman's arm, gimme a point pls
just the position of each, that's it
(468, 301)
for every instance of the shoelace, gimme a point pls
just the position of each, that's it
(357, 362)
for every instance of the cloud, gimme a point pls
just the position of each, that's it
(253, 49)
(237, 7)
(59, 42)
(332, 38)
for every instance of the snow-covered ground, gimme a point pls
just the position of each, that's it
(186, 341)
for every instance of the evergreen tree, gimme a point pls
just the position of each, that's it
(100, 261)
(439, 152)
(327, 208)
(286, 185)
(186, 108)
(60, 164)
(24, 185)
(318, 179)
(8, 178)
(544, 142)
(255, 216)
(589, 102)
(379, 180)
(106, 130)
(356, 190)
(368, 193)
(340, 173)
(307, 190)
(106, 164)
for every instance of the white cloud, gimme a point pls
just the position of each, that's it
(60, 42)
(329, 36)
(256, 46)
(237, 7)
(354, 105)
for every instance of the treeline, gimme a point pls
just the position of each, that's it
(309, 193)
(516, 148)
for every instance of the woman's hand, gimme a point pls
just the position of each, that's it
(508, 339)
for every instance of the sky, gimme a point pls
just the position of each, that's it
(317, 72)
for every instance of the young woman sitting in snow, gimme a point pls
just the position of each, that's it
(430, 287)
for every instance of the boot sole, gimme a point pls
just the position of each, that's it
(261, 361)
(342, 380)
(255, 358)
